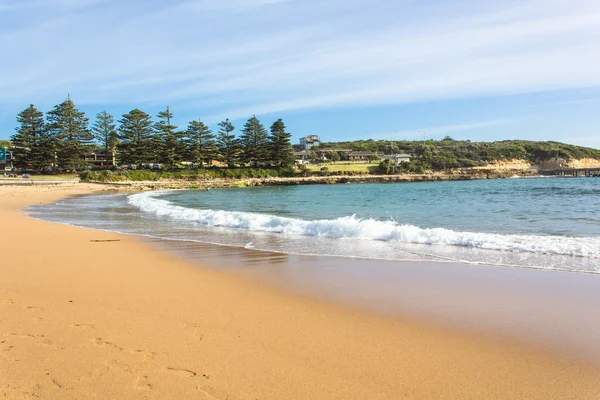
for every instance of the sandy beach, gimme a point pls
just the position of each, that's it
(88, 314)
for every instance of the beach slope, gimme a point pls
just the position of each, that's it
(89, 314)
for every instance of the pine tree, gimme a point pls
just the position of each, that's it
(254, 142)
(137, 143)
(69, 128)
(32, 145)
(200, 143)
(105, 132)
(280, 146)
(170, 140)
(227, 144)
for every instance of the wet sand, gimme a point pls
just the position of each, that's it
(88, 314)
(549, 309)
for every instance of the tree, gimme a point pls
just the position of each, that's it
(227, 144)
(254, 142)
(313, 157)
(32, 143)
(105, 132)
(200, 143)
(69, 128)
(137, 144)
(333, 156)
(280, 145)
(170, 144)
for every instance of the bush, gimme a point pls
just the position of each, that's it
(324, 169)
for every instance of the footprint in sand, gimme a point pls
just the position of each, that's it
(211, 393)
(121, 366)
(8, 302)
(45, 342)
(146, 355)
(82, 326)
(104, 343)
(196, 331)
(142, 383)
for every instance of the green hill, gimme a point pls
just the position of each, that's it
(449, 153)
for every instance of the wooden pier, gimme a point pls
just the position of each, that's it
(574, 172)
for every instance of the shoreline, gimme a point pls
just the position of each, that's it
(124, 320)
(333, 179)
(310, 180)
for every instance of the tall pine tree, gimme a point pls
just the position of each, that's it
(170, 140)
(105, 132)
(280, 146)
(254, 143)
(227, 144)
(200, 143)
(69, 128)
(31, 145)
(136, 136)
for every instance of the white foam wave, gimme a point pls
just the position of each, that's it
(368, 229)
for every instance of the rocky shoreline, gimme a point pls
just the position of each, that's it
(318, 180)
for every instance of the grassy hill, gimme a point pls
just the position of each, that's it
(449, 153)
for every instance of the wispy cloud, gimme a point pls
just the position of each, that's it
(207, 56)
(436, 132)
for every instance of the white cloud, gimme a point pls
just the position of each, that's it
(288, 55)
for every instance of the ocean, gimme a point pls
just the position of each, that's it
(546, 223)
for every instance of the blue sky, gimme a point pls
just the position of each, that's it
(346, 70)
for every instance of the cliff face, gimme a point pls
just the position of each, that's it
(584, 163)
(521, 166)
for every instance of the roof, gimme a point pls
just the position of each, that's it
(334, 149)
(362, 153)
(402, 156)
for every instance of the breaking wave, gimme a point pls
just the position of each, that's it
(351, 227)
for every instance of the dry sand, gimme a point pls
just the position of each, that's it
(120, 320)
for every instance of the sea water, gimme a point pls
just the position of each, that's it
(549, 223)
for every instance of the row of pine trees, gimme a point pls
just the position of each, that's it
(65, 137)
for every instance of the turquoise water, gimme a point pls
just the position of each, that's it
(549, 223)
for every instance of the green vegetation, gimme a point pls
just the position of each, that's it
(200, 143)
(186, 174)
(359, 168)
(68, 129)
(55, 177)
(105, 132)
(448, 153)
(63, 142)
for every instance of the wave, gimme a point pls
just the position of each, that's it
(367, 229)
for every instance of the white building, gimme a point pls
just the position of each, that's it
(309, 142)
(400, 158)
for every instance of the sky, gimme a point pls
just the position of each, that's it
(341, 69)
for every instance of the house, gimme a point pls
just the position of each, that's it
(400, 158)
(309, 142)
(361, 156)
(302, 157)
(322, 153)
(6, 159)
(101, 158)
